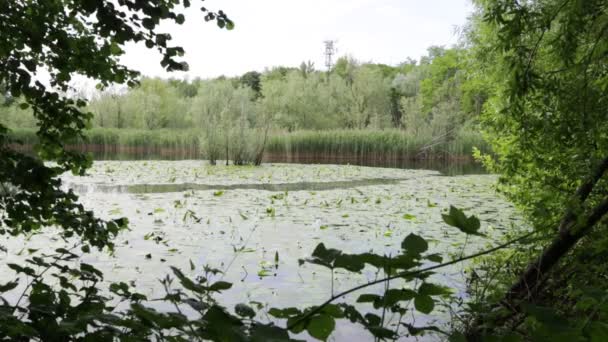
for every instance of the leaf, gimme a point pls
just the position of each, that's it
(264, 273)
(457, 218)
(220, 286)
(268, 333)
(435, 258)
(9, 286)
(393, 296)
(414, 244)
(321, 326)
(368, 298)
(373, 319)
(382, 333)
(457, 337)
(353, 263)
(429, 289)
(424, 304)
(284, 313)
(324, 256)
(409, 217)
(244, 310)
(598, 331)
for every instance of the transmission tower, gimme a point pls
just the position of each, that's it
(330, 51)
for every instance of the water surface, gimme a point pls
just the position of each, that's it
(237, 218)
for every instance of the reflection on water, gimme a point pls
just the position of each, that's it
(276, 187)
(449, 167)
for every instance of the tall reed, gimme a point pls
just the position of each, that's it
(328, 145)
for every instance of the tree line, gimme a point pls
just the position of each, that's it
(432, 97)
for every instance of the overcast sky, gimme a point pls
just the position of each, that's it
(286, 32)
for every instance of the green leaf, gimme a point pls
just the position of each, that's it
(244, 310)
(268, 333)
(393, 296)
(368, 298)
(349, 262)
(409, 217)
(148, 23)
(220, 286)
(414, 244)
(284, 313)
(429, 289)
(382, 333)
(9, 286)
(457, 337)
(321, 326)
(457, 218)
(597, 331)
(424, 304)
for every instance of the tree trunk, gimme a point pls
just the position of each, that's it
(527, 285)
(260, 154)
(569, 234)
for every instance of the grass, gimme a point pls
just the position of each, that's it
(380, 144)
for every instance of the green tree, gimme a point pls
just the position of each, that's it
(66, 38)
(252, 79)
(546, 120)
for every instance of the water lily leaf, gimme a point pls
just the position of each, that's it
(409, 217)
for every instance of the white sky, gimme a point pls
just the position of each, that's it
(286, 32)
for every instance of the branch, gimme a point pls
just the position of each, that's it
(406, 274)
(582, 193)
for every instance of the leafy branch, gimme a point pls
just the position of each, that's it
(405, 274)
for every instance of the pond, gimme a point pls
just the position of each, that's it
(238, 218)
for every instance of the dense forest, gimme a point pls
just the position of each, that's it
(531, 77)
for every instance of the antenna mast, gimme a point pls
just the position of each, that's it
(330, 51)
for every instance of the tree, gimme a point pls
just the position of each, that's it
(546, 120)
(66, 38)
(252, 79)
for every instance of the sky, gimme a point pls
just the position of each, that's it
(286, 32)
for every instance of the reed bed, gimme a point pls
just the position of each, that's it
(293, 146)
(380, 143)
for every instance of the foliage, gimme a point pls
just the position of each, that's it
(432, 100)
(546, 121)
